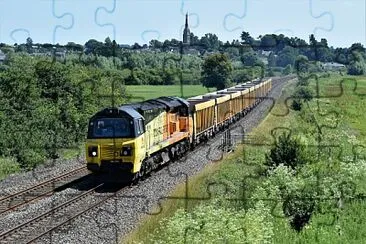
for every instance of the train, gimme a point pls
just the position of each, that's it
(132, 140)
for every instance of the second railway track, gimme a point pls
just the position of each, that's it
(54, 218)
(40, 190)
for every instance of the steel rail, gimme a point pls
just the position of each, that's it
(26, 192)
(37, 221)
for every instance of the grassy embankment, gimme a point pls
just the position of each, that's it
(138, 93)
(332, 128)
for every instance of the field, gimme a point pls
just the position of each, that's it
(327, 192)
(144, 92)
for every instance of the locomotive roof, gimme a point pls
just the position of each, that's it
(118, 112)
(147, 105)
(171, 102)
(132, 112)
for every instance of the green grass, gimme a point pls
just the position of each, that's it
(8, 166)
(144, 92)
(342, 122)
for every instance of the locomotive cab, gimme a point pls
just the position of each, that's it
(137, 138)
(115, 140)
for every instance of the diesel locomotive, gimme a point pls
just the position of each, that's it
(134, 139)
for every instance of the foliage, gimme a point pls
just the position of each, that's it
(298, 207)
(216, 71)
(210, 224)
(301, 94)
(8, 166)
(46, 104)
(296, 104)
(245, 74)
(357, 65)
(287, 70)
(249, 59)
(287, 151)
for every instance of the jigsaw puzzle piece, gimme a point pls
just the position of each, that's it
(110, 10)
(68, 15)
(16, 37)
(148, 35)
(327, 14)
(183, 11)
(240, 16)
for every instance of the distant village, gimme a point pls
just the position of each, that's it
(190, 45)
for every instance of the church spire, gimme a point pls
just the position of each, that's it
(186, 32)
(186, 26)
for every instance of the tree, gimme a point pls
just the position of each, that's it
(302, 65)
(136, 46)
(287, 151)
(313, 48)
(249, 59)
(216, 71)
(233, 52)
(272, 60)
(194, 39)
(287, 56)
(93, 46)
(357, 65)
(29, 44)
(246, 38)
(155, 44)
(210, 41)
(268, 42)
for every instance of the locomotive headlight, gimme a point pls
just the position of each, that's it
(126, 151)
(93, 151)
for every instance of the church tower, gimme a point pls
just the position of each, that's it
(186, 33)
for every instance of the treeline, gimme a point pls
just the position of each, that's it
(45, 105)
(169, 62)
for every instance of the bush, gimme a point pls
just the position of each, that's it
(8, 166)
(302, 93)
(30, 158)
(296, 104)
(356, 68)
(287, 151)
(214, 224)
(298, 207)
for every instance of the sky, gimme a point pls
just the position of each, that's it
(341, 22)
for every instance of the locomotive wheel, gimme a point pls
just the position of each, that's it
(135, 179)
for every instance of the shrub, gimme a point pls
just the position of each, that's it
(213, 224)
(287, 151)
(356, 68)
(8, 166)
(296, 104)
(302, 93)
(298, 207)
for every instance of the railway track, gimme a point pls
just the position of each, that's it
(56, 217)
(38, 191)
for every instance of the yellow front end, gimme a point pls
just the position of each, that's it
(115, 154)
